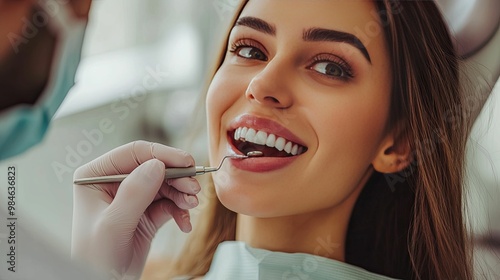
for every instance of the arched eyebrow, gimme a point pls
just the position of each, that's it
(309, 35)
(320, 34)
(257, 24)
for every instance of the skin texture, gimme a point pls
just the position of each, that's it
(343, 122)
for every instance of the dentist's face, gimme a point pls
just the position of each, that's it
(25, 63)
(308, 84)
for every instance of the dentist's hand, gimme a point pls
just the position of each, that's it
(113, 224)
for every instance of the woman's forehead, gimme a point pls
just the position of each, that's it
(359, 19)
(343, 15)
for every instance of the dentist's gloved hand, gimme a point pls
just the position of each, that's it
(114, 223)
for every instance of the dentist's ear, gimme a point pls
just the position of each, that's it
(393, 155)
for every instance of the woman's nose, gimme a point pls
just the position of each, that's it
(270, 88)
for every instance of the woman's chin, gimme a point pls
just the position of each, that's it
(243, 202)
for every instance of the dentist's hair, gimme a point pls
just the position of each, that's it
(408, 225)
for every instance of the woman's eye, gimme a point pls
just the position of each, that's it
(251, 53)
(330, 69)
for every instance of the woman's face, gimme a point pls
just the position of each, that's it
(308, 84)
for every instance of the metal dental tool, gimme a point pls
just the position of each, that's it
(170, 173)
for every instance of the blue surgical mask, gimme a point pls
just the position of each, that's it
(23, 126)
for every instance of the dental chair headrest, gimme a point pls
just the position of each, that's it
(474, 25)
(473, 22)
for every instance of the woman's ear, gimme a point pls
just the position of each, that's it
(392, 156)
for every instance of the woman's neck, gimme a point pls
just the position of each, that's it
(322, 232)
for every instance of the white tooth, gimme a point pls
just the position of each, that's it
(280, 143)
(250, 134)
(271, 140)
(295, 149)
(243, 132)
(237, 133)
(301, 149)
(260, 138)
(288, 147)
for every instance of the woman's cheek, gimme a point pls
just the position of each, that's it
(355, 128)
(216, 101)
(213, 107)
(220, 92)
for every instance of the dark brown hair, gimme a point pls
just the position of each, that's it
(407, 225)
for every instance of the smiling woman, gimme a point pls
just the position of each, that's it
(362, 163)
(350, 112)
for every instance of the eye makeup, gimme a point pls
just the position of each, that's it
(327, 64)
(335, 67)
(240, 44)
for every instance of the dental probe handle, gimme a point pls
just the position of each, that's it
(170, 173)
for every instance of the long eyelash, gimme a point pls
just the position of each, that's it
(335, 59)
(242, 43)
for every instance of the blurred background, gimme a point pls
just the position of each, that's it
(143, 68)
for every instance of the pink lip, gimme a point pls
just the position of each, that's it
(261, 164)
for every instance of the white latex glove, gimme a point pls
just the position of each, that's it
(114, 223)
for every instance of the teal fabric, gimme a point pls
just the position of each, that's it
(23, 126)
(236, 260)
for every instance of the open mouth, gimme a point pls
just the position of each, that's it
(248, 139)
